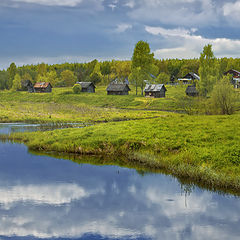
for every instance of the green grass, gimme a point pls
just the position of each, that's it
(202, 148)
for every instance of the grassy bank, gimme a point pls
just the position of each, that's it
(201, 148)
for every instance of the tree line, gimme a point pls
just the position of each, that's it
(66, 74)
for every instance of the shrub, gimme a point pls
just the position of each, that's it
(223, 97)
(77, 88)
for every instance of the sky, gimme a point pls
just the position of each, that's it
(57, 31)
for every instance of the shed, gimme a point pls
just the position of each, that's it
(87, 87)
(189, 78)
(235, 77)
(118, 89)
(27, 86)
(155, 90)
(192, 91)
(42, 87)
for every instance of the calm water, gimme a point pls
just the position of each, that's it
(48, 198)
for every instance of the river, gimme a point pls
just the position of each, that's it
(43, 197)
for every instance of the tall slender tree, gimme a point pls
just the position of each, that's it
(209, 70)
(142, 59)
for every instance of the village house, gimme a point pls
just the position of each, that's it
(118, 89)
(42, 87)
(189, 78)
(235, 77)
(192, 91)
(155, 90)
(87, 87)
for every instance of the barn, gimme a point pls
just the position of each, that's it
(235, 77)
(42, 87)
(88, 87)
(189, 78)
(118, 89)
(155, 90)
(191, 91)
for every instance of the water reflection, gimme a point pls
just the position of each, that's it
(6, 128)
(50, 198)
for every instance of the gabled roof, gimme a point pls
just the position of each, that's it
(86, 84)
(154, 88)
(191, 89)
(233, 72)
(42, 85)
(190, 76)
(118, 87)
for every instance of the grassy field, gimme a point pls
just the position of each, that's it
(201, 148)
(63, 106)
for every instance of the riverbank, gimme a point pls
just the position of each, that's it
(200, 148)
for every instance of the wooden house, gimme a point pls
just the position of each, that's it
(42, 87)
(87, 87)
(189, 78)
(118, 89)
(155, 90)
(27, 86)
(235, 77)
(192, 91)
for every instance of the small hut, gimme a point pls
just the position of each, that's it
(155, 90)
(191, 91)
(118, 89)
(27, 86)
(43, 87)
(87, 87)
(189, 78)
(235, 77)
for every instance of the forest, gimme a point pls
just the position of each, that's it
(101, 73)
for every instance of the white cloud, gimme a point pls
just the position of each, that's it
(43, 194)
(177, 12)
(231, 10)
(190, 45)
(130, 4)
(86, 4)
(67, 3)
(123, 27)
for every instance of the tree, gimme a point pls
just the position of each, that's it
(163, 78)
(17, 85)
(209, 71)
(12, 70)
(142, 59)
(135, 77)
(68, 78)
(223, 97)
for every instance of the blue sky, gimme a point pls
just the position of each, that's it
(55, 31)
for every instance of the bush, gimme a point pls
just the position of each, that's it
(223, 97)
(77, 88)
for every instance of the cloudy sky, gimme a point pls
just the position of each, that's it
(57, 31)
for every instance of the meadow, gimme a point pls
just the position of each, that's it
(147, 132)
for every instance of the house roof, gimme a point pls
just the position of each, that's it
(192, 89)
(86, 84)
(154, 87)
(233, 72)
(118, 87)
(42, 85)
(190, 76)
